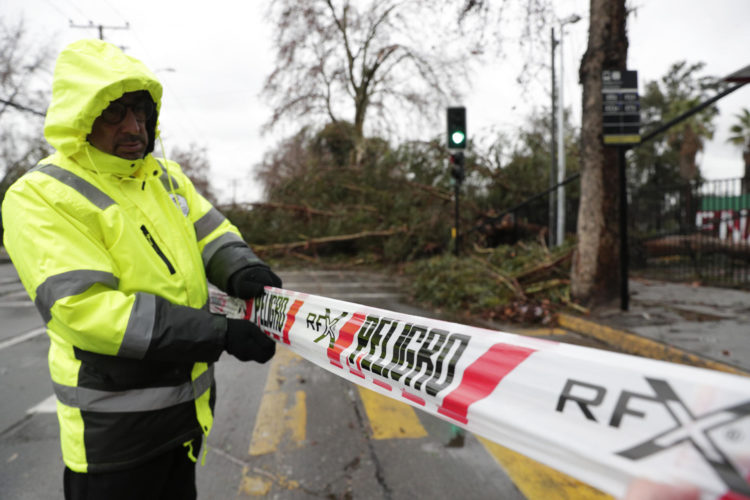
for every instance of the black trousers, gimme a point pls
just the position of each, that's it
(170, 476)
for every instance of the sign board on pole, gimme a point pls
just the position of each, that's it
(621, 108)
(739, 76)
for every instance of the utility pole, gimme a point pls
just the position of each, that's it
(100, 27)
(561, 137)
(553, 161)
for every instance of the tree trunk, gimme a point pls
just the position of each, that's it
(595, 278)
(360, 111)
(689, 148)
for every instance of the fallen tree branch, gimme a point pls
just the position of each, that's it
(568, 302)
(329, 239)
(509, 282)
(302, 256)
(433, 191)
(294, 208)
(544, 266)
(545, 285)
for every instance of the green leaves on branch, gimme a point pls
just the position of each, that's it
(525, 282)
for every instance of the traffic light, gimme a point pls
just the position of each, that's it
(457, 166)
(457, 128)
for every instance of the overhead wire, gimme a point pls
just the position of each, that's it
(75, 7)
(56, 8)
(196, 132)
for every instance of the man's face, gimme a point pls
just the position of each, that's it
(121, 128)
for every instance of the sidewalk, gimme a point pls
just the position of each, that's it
(696, 325)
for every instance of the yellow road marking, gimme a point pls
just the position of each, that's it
(641, 346)
(259, 485)
(537, 481)
(390, 419)
(542, 332)
(254, 485)
(276, 417)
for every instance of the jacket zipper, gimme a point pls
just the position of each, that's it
(157, 249)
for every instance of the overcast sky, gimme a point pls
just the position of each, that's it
(213, 57)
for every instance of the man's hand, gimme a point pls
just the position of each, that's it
(249, 282)
(246, 342)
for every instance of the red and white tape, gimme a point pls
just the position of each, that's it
(604, 418)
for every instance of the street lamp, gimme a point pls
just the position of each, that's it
(574, 18)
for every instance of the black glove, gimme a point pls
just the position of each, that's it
(246, 342)
(248, 282)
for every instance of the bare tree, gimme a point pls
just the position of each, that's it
(356, 60)
(595, 279)
(195, 164)
(24, 68)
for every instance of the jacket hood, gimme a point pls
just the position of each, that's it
(89, 74)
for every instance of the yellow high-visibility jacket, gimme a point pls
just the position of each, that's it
(115, 254)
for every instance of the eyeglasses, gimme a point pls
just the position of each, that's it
(116, 111)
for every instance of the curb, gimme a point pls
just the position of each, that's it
(641, 346)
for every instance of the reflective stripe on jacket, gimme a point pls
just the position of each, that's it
(115, 254)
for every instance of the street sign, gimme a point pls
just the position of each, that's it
(739, 76)
(621, 107)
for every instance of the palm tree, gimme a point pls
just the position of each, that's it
(684, 90)
(741, 137)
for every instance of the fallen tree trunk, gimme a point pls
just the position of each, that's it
(695, 244)
(328, 239)
(304, 209)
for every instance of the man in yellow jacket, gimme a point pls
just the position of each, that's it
(115, 247)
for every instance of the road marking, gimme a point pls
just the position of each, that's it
(390, 419)
(543, 332)
(276, 418)
(537, 481)
(17, 303)
(641, 346)
(259, 485)
(48, 405)
(254, 485)
(22, 338)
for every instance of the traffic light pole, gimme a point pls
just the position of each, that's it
(458, 173)
(456, 121)
(456, 234)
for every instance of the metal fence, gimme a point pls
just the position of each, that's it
(698, 231)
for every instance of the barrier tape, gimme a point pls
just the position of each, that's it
(604, 418)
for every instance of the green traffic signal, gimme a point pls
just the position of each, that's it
(458, 137)
(457, 128)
